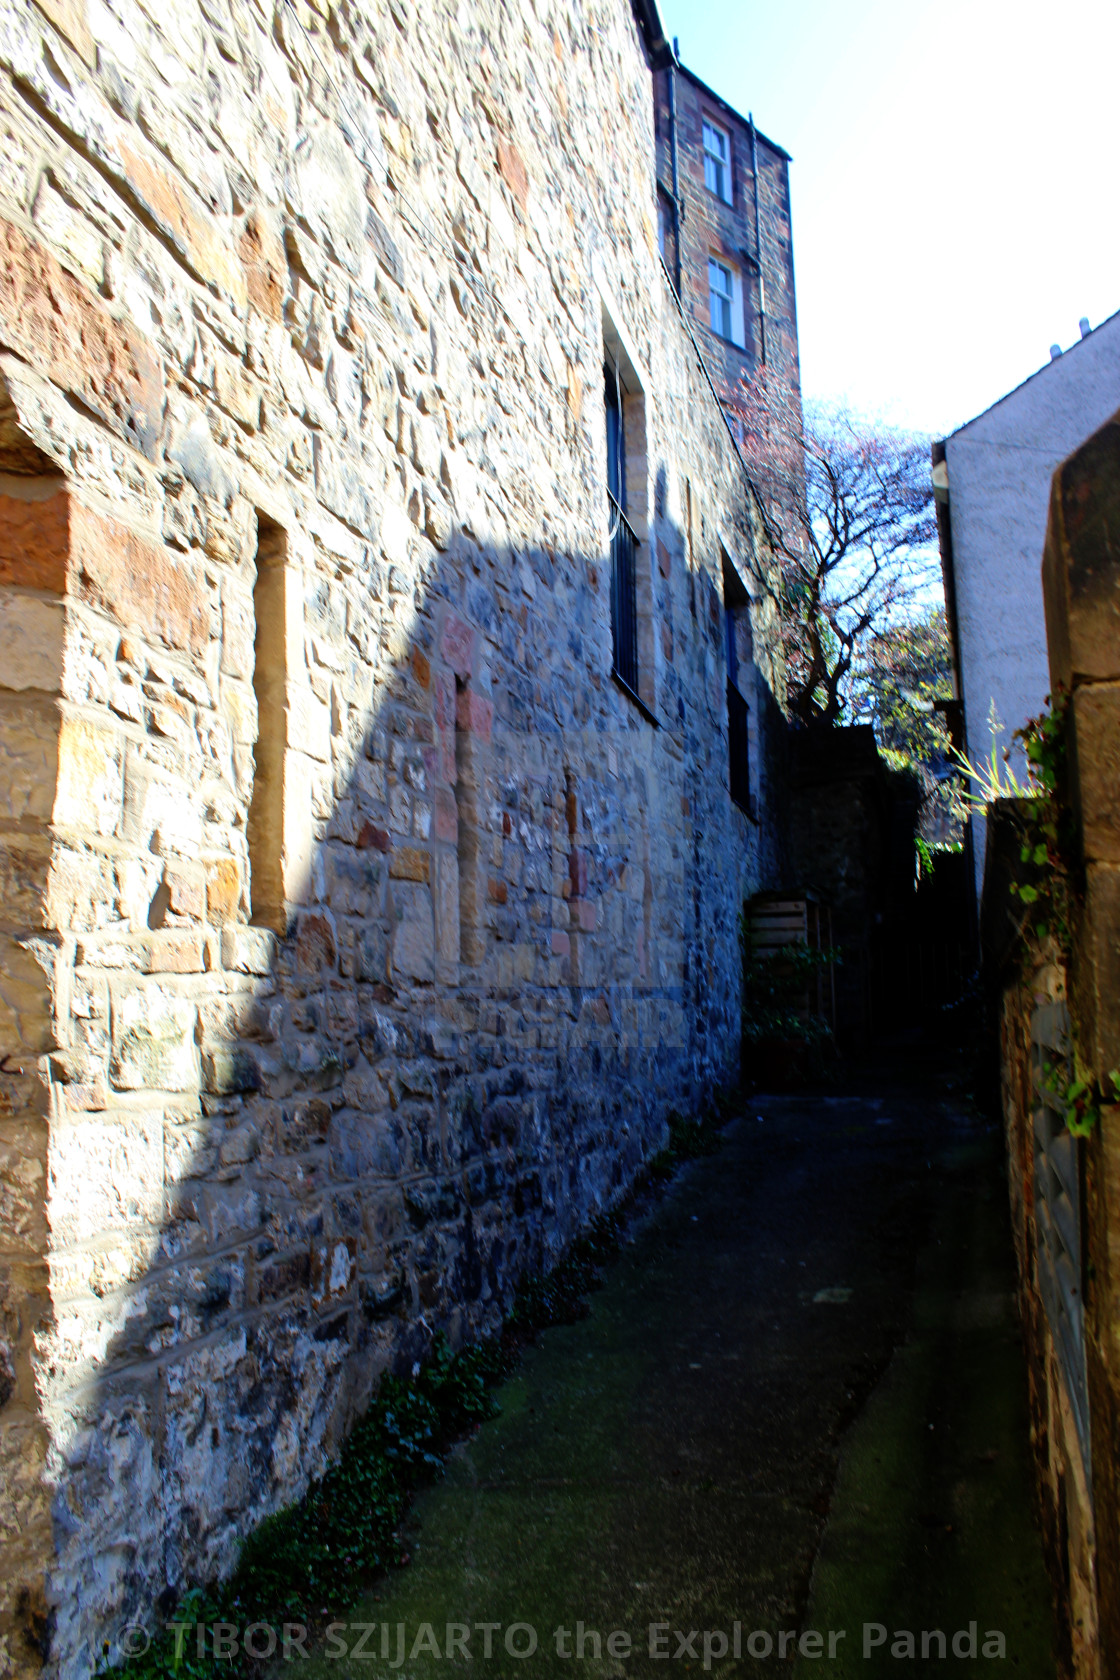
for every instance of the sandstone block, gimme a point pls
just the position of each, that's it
(171, 951)
(26, 866)
(457, 646)
(29, 731)
(315, 946)
(58, 325)
(445, 815)
(410, 863)
(30, 641)
(105, 1174)
(266, 264)
(90, 790)
(413, 952)
(309, 724)
(1081, 565)
(153, 1042)
(1096, 740)
(511, 166)
(23, 1185)
(372, 838)
(421, 668)
(223, 891)
(474, 713)
(35, 537)
(170, 202)
(446, 905)
(248, 950)
(137, 581)
(186, 894)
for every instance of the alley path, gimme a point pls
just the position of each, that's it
(797, 1404)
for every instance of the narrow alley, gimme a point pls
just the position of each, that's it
(798, 1404)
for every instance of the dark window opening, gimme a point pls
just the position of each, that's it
(738, 748)
(739, 648)
(624, 543)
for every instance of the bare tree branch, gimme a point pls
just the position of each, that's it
(850, 505)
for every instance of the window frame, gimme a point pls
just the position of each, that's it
(740, 686)
(625, 664)
(726, 298)
(717, 164)
(637, 510)
(733, 298)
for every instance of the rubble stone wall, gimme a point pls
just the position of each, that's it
(357, 932)
(1064, 1503)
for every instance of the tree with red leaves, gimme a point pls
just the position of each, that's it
(850, 509)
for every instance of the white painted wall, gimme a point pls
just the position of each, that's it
(999, 470)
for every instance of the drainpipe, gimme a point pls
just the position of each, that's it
(674, 158)
(758, 243)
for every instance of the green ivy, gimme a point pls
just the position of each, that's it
(323, 1551)
(1047, 850)
(319, 1556)
(1081, 1100)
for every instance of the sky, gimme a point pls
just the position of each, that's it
(954, 183)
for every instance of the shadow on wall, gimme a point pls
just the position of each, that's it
(359, 994)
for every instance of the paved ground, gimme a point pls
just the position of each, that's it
(798, 1404)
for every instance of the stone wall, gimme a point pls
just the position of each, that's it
(1060, 1022)
(1028, 982)
(712, 227)
(357, 932)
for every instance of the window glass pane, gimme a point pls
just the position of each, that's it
(717, 174)
(616, 447)
(719, 298)
(715, 142)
